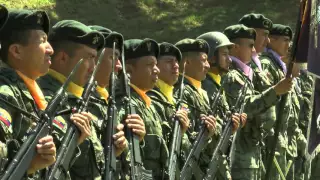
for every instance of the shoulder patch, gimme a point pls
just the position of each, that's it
(60, 123)
(5, 117)
(185, 107)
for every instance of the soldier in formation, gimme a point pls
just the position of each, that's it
(139, 109)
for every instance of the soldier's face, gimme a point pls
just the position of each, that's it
(35, 56)
(83, 73)
(244, 49)
(262, 39)
(169, 69)
(224, 59)
(198, 66)
(280, 44)
(144, 72)
(105, 68)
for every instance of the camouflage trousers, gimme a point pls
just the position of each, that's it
(245, 174)
(315, 164)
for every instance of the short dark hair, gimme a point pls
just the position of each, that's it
(191, 55)
(16, 37)
(66, 46)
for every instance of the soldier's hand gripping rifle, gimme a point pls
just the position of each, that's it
(70, 139)
(176, 136)
(137, 171)
(223, 143)
(21, 161)
(201, 141)
(109, 126)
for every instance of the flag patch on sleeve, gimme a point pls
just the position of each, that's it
(60, 123)
(5, 117)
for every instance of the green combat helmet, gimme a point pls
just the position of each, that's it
(215, 40)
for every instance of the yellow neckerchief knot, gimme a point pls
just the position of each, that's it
(215, 77)
(197, 84)
(166, 90)
(34, 90)
(103, 92)
(73, 88)
(142, 94)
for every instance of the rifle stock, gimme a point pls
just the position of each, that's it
(22, 160)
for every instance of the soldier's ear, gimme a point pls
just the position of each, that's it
(129, 68)
(61, 57)
(16, 51)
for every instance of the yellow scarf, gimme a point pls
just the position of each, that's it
(142, 94)
(103, 92)
(215, 77)
(73, 88)
(166, 90)
(34, 90)
(194, 82)
(197, 85)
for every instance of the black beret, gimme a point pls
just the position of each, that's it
(167, 49)
(25, 20)
(281, 30)
(193, 45)
(239, 31)
(70, 30)
(3, 15)
(109, 37)
(253, 20)
(135, 48)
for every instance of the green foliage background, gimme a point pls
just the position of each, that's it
(163, 20)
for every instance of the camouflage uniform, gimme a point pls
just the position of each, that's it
(15, 126)
(199, 104)
(258, 107)
(98, 107)
(91, 159)
(289, 132)
(212, 88)
(222, 108)
(303, 88)
(166, 111)
(155, 152)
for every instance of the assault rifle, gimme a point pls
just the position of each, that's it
(201, 141)
(109, 126)
(223, 143)
(21, 161)
(137, 171)
(176, 136)
(70, 139)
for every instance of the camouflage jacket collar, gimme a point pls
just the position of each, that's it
(246, 70)
(10, 75)
(276, 59)
(209, 78)
(156, 95)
